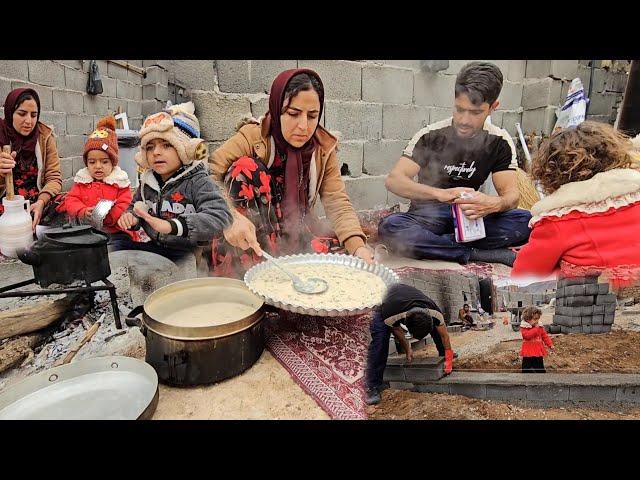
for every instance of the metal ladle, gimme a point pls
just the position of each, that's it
(310, 286)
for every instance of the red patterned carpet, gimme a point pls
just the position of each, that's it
(325, 356)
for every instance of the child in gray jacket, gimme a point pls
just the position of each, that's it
(177, 203)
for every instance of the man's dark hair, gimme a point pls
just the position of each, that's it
(419, 323)
(466, 305)
(482, 82)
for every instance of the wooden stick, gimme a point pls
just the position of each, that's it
(8, 179)
(72, 353)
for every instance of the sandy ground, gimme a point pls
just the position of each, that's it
(265, 391)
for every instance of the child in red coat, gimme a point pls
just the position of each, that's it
(534, 338)
(589, 222)
(102, 178)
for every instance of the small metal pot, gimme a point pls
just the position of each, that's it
(187, 354)
(68, 254)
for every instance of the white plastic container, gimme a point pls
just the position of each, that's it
(15, 226)
(466, 230)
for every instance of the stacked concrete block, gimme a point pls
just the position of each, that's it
(583, 306)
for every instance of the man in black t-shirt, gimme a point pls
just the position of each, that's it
(452, 159)
(406, 305)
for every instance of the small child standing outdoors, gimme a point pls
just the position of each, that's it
(534, 339)
(101, 179)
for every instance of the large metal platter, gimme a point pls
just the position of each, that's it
(101, 388)
(387, 275)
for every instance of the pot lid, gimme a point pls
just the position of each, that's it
(202, 308)
(81, 236)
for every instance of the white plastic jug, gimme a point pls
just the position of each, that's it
(15, 226)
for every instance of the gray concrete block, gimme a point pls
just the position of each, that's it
(5, 88)
(166, 64)
(109, 87)
(155, 74)
(219, 114)
(539, 120)
(56, 120)
(565, 69)
(434, 89)
(102, 67)
(79, 124)
(455, 66)
(438, 114)
(66, 167)
(547, 392)
(67, 184)
(579, 301)
(70, 145)
(78, 163)
(607, 299)
(14, 69)
(116, 71)
(403, 121)
(586, 328)
(393, 199)
(496, 118)
(538, 68)
(44, 93)
(134, 109)
(155, 91)
(149, 107)
(75, 79)
(511, 96)
(628, 394)
(387, 85)
(68, 101)
(46, 72)
(413, 64)
(354, 120)
(516, 70)
(574, 290)
(560, 302)
(432, 388)
(598, 309)
(592, 393)
(115, 103)
(601, 119)
(540, 93)
(418, 375)
(608, 318)
(468, 390)
(601, 103)
(367, 192)
(394, 373)
(506, 392)
(95, 105)
(260, 106)
(597, 319)
(564, 329)
(603, 288)
(233, 76)
(351, 153)
(135, 123)
(591, 289)
(380, 156)
(342, 80)
(560, 292)
(586, 310)
(597, 328)
(576, 329)
(131, 91)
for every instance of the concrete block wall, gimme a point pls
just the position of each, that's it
(547, 83)
(375, 106)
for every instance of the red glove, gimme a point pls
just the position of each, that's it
(448, 361)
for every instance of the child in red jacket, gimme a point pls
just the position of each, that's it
(102, 178)
(589, 222)
(534, 338)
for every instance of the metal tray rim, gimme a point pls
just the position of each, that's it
(385, 273)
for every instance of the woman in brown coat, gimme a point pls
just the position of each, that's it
(274, 170)
(34, 157)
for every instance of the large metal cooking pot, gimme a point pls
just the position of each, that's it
(201, 330)
(68, 254)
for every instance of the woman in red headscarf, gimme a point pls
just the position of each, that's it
(34, 157)
(274, 170)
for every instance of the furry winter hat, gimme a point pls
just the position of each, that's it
(103, 138)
